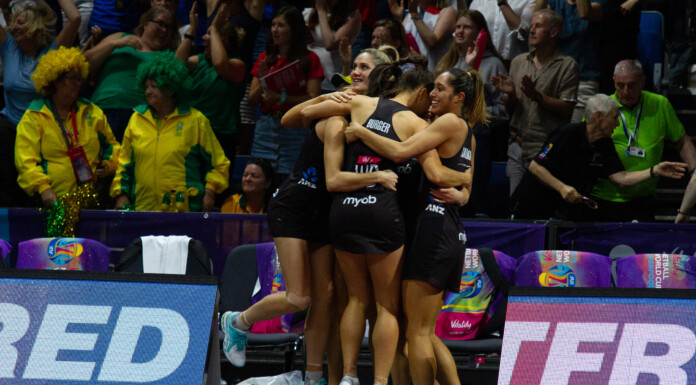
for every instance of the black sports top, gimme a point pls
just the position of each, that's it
(359, 157)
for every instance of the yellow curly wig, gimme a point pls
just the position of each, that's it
(55, 63)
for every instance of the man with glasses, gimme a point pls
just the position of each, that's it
(561, 176)
(646, 121)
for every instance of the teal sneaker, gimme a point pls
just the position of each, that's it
(234, 344)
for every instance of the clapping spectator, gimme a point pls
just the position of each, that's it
(116, 59)
(541, 92)
(579, 40)
(388, 31)
(430, 23)
(217, 76)
(329, 22)
(509, 21)
(28, 37)
(62, 140)
(169, 159)
(281, 146)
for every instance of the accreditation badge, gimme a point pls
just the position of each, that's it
(635, 151)
(78, 158)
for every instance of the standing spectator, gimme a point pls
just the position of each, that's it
(579, 41)
(84, 7)
(57, 127)
(168, 148)
(509, 21)
(388, 31)
(647, 120)
(541, 91)
(328, 23)
(462, 55)
(28, 38)
(430, 23)
(217, 76)
(281, 146)
(117, 57)
(618, 38)
(561, 176)
(368, 13)
(113, 16)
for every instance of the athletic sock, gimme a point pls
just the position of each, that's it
(239, 324)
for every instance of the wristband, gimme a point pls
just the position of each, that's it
(682, 213)
(190, 37)
(652, 173)
(500, 4)
(415, 16)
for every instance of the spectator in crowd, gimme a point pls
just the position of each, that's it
(62, 140)
(217, 76)
(463, 55)
(169, 159)
(281, 146)
(647, 120)
(561, 176)
(257, 188)
(618, 37)
(368, 17)
(28, 37)
(579, 40)
(541, 91)
(463, 52)
(116, 59)
(388, 31)
(430, 23)
(509, 20)
(84, 7)
(112, 16)
(329, 22)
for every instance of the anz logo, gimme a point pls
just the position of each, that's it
(434, 206)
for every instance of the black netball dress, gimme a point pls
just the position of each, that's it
(437, 249)
(369, 221)
(300, 208)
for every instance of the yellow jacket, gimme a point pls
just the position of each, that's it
(179, 153)
(40, 148)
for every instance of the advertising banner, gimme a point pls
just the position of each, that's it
(599, 337)
(63, 327)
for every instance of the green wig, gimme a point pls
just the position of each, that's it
(167, 71)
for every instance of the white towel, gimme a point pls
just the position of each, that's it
(165, 255)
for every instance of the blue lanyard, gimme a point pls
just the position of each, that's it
(633, 136)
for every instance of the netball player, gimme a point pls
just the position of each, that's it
(434, 262)
(367, 226)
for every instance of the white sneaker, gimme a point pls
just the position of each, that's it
(348, 380)
(234, 344)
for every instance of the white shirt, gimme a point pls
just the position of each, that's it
(509, 43)
(430, 19)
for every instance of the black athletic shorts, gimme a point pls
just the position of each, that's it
(436, 252)
(300, 212)
(367, 222)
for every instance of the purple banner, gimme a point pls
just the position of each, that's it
(598, 341)
(220, 233)
(624, 239)
(63, 254)
(511, 238)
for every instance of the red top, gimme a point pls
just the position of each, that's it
(315, 72)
